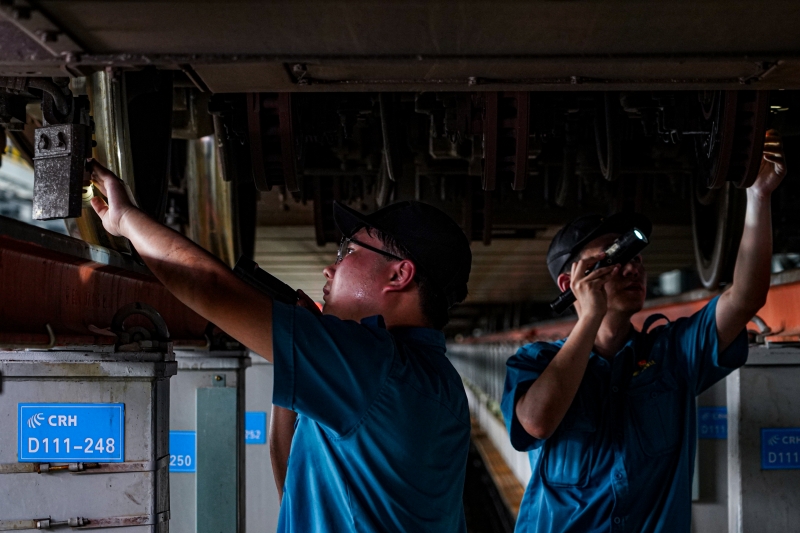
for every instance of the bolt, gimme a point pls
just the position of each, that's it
(47, 36)
(44, 142)
(218, 378)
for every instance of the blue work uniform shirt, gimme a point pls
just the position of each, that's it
(382, 432)
(622, 459)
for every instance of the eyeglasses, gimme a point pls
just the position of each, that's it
(347, 240)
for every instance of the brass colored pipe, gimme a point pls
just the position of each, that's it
(110, 111)
(106, 91)
(212, 213)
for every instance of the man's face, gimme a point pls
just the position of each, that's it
(353, 287)
(626, 289)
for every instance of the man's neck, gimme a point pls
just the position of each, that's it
(402, 315)
(613, 334)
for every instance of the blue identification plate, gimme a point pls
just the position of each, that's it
(780, 448)
(71, 432)
(255, 428)
(712, 422)
(182, 451)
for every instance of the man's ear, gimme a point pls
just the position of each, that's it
(563, 282)
(402, 275)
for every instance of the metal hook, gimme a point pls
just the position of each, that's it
(34, 346)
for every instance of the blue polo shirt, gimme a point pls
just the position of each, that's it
(622, 458)
(382, 431)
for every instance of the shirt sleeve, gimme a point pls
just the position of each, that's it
(328, 369)
(697, 343)
(522, 369)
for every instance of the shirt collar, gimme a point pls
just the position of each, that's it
(423, 337)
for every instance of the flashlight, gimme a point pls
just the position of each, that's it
(628, 246)
(248, 271)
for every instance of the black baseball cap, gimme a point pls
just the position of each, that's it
(437, 244)
(570, 240)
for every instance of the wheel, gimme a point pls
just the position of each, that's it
(606, 137)
(734, 123)
(717, 224)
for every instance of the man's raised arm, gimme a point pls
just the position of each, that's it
(751, 276)
(197, 278)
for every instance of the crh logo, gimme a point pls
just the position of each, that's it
(773, 440)
(36, 420)
(705, 416)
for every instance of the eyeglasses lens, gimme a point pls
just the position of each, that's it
(342, 250)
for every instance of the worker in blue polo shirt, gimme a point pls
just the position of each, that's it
(383, 426)
(608, 414)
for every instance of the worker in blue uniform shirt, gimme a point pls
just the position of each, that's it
(607, 415)
(383, 425)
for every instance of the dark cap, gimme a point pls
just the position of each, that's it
(570, 240)
(437, 244)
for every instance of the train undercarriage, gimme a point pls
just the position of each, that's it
(239, 125)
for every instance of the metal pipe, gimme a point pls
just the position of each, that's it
(109, 108)
(212, 211)
(43, 84)
(60, 99)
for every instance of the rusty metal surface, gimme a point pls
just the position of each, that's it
(269, 121)
(46, 278)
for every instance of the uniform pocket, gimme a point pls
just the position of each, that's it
(656, 409)
(569, 453)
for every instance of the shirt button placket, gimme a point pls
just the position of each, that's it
(620, 483)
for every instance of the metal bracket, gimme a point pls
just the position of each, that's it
(84, 468)
(84, 523)
(138, 338)
(32, 346)
(41, 523)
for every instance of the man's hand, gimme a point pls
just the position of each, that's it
(589, 289)
(773, 165)
(119, 204)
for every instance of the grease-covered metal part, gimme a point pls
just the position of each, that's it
(59, 160)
